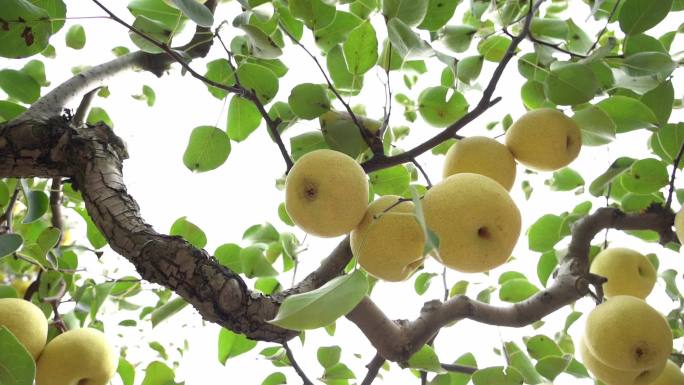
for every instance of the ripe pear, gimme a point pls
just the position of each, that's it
(342, 134)
(612, 376)
(20, 285)
(326, 193)
(475, 219)
(544, 139)
(672, 375)
(627, 334)
(78, 356)
(629, 272)
(26, 321)
(679, 225)
(389, 242)
(481, 155)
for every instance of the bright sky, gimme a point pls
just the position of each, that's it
(242, 192)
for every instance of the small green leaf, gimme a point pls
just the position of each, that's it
(126, 371)
(565, 179)
(497, 375)
(456, 38)
(167, 310)
(157, 373)
(336, 32)
(390, 181)
(189, 231)
(38, 203)
(439, 111)
(16, 43)
(232, 345)
(76, 37)
(627, 113)
(405, 44)
(550, 367)
(410, 12)
(16, 363)
(422, 282)
(9, 243)
(19, 86)
(196, 11)
(667, 141)
(596, 125)
(259, 79)
(254, 263)
(328, 355)
(544, 233)
(516, 290)
(221, 72)
(600, 185)
(229, 255)
(309, 101)
(656, 64)
(520, 361)
(425, 359)
(361, 49)
(97, 115)
(660, 100)
(638, 16)
(276, 378)
(571, 84)
(36, 70)
(153, 29)
(207, 149)
(306, 142)
(339, 371)
(469, 68)
(438, 14)
(546, 265)
(324, 305)
(316, 14)
(645, 176)
(494, 48)
(541, 346)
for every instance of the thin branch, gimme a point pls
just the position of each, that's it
(486, 101)
(422, 171)
(444, 283)
(7, 215)
(373, 369)
(84, 107)
(605, 27)
(675, 164)
(56, 205)
(459, 368)
(297, 368)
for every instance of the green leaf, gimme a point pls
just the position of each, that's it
(520, 361)
(541, 346)
(516, 290)
(571, 84)
(548, 29)
(638, 16)
(546, 265)
(494, 48)
(95, 237)
(76, 37)
(48, 238)
(97, 115)
(254, 263)
(153, 29)
(671, 289)
(565, 179)
(425, 359)
(9, 243)
(19, 85)
(219, 71)
(126, 371)
(29, 34)
(550, 367)
(36, 70)
(532, 95)
(188, 231)
(597, 126)
(160, 11)
(578, 40)
(438, 14)
(306, 142)
(339, 371)
(147, 95)
(456, 38)
(469, 68)
(232, 345)
(196, 11)
(16, 363)
(10, 110)
(405, 44)
(600, 185)
(439, 111)
(660, 100)
(361, 49)
(167, 310)
(309, 101)
(263, 45)
(336, 32)
(324, 305)
(645, 176)
(422, 282)
(627, 113)
(260, 79)
(634, 44)
(497, 375)
(157, 373)
(283, 215)
(390, 181)
(544, 233)
(229, 255)
(649, 64)
(345, 82)
(410, 12)
(276, 378)
(207, 149)
(316, 14)
(328, 355)
(667, 141)
(38, 203)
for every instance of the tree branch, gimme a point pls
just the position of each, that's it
(373, 369)
(675, 164)
(295, 365)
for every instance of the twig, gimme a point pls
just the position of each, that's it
(373, 369)
(82, 110)
(459, 368)
(422, 171)
(675, 164)
(605, 27)
(56, 205)
(446, 286)
(7, 215)
(297, 368)
(486, 101)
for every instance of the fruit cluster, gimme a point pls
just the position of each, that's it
(470, 212)
(77, 356)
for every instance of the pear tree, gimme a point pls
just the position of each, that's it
(514, 165)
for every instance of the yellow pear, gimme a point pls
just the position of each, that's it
(475, 219)
(612, 376)
(672, 375)
(21, 285)
(679, 225)
(627, 334)
(26, 321)
(544, 139)
(326, 193)
(78, 356)
(628, 272)
(481, 155)
(389, 242)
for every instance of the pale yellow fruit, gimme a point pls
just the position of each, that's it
(628, 272)
(389, 242)
(679, 225)
(672, 375)
(612, 376)
(544, 139)
(326, 193)
(481, 155)
(26, 321)
(475, 219)
(77, 357)
(20, 285)
(171, 4)
(627, 334)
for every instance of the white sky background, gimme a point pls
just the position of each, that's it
(242, 192)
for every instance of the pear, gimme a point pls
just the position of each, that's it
(389, 242)
(78, 356)
(626, 333)
(672, 375)
(475, 219)
(544, 139)
(481, 155)
(26, 321)
(326, 193)
(612, 376)
(679, 225)
(629, 272)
